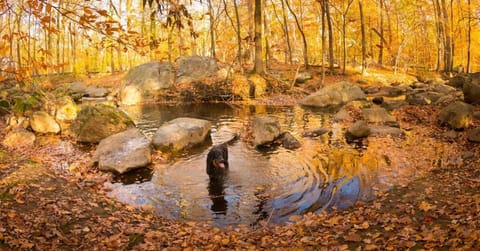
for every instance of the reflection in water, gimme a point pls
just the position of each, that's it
(216, 191)
(276, 183)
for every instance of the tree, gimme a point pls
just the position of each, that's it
(364, 46)
(300, 29)
(258, 66)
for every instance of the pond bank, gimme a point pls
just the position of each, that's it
(62, 209)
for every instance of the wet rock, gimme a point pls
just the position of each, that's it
(265, 130)
(334, 95)
(95, 123)
(315, 132)
(474, 135)
(42, 122)
(342, 115)
(19, 138)
(457, 115)
(359, 129)
(181, 133)
(471, 92)
(146, 82)
(123, 152)
(289, 141)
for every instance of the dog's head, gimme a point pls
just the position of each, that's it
(218, 160)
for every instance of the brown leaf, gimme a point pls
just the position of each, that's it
(353, 237)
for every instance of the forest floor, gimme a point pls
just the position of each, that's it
(45, 206)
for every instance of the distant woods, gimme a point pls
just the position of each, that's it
(59, 36)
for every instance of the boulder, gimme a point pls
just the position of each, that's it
(457, 115)
(377, 115)
(334, 95)
(418, 98)
(19, 138)
(78, 88)
(123, 152)
(443, 89)
(96, 92)
(67, 109)
(289, 141)
(265, 130)
(42, 122)
(474, 135)
(181, 133)
(95, 123)
(471, 91)
(195, 68)
(303, 77)
(381, 130)
(146, 81)
(458, 81)
(359, 129)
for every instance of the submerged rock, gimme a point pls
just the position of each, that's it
(123, 152)
(359, 129)
(181, 133)
(289, 141)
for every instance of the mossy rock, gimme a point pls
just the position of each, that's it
(95, 123)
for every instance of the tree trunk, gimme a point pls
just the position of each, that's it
(212, 28)
(330, 36)
(239, 37)
(469, 36)
(448, 41)
(322, 5)
(287, 35)
(380, 51)
(251, 30)
(259, 66)
(362, 25)
(300, 29)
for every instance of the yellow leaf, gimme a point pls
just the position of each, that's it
(425, 206)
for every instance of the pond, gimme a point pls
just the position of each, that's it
(262, 184)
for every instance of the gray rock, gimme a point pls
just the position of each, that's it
(474, 135)
(265, 130)
(471, 92)
(458, 81)
(96, 92)
(195, 67)
(289, 141)
(380, 130)
(146, 81)
(78, 87)
(19, 138)
(95, 123)
(181, 133)
(123, 152)
(303, 77)
(451, 134)
(342, 115)
(334, 95)
(457, 115)
(42, 122)
(418, 98)
(359, 129)
(315, 132)
(377, 115)
(443, 88)
(67, 109)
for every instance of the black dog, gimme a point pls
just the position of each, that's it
(217, 161)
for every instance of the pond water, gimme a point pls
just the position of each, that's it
(262, 184)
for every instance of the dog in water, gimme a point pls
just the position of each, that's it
(217, 160)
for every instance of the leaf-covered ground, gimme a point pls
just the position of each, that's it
(47, 205)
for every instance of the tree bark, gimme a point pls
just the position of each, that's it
(239, 38)
(362, 25)
(469, 36)
(259, 65)
(300, 29)
(287, 35)
(380, 51)
(212, 28)
(448, 40)
(330, 36)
